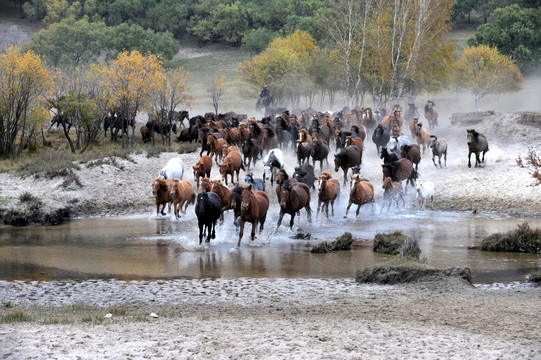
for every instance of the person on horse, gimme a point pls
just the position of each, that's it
(264, 97)
(264, 92)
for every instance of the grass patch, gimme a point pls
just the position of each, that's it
(48, 163)
(15, 317)
(27, 197)
(523, 239)
(534, 278)
(407, 271)
(343, 242)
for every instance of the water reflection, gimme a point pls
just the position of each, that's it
(142, 247)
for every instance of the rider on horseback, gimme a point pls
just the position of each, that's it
(264, 92)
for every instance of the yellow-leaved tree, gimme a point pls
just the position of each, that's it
(286, 67)
(130, 80)
(483, 70)
(24, 85)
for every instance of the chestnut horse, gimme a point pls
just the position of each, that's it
(225, 196)
(293, 197)
(182, 193)
(304, 146)
(253, 209)
(370, 120)
(328, 191)
(361, 192)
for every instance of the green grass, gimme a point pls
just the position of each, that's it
(460, 36)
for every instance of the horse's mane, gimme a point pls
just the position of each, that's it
(286, 176)
(326, 174)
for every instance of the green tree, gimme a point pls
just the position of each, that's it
(516, 32)
(70, 42)
(127, 38)
(483, 70)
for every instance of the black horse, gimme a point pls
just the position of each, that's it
(320, 152)
(347, 158)
(381, 137)
(251, 148)
(208, 209)
(305, 174)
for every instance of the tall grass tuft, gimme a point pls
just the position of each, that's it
(15, 317)
(523, 239)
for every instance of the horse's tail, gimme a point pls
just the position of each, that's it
(414, 176)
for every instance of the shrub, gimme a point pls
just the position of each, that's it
(533, 163)
(389, 243)
(343, 242)
(523, 239)
(257, 40)
(27, 197)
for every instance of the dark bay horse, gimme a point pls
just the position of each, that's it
(251, 150)
(207, 209)
(381, 137)
(347, 158)
(304, 146)
(400, 170)
(477, 144)
(293, 197)
(320, 151)
(253, 209)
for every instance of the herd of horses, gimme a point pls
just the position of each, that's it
(235, 142)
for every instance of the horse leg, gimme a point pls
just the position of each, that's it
(318, 206)
(201, 231)
(477, 159)
(212, 231)
(345, 175)
(484, 152)
(469, 159)
(347, 209)
(445, 154)
(432, 202)
(280, 219)
(262, 223)
(292, 220)
(254, 225)
(241, 231)
(358, 209)
(308, 212)
(332, 207)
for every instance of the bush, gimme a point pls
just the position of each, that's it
(343, 242)
(523, 239)
(389, 243)
(257, 40)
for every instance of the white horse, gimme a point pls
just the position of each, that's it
(174, 169)
(396, 142)
(271, 162)
(425, 191)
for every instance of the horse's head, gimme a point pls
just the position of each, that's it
(281, 176)
(387, 183)
(245, 197)
(471, 136)
(174, 187)
(432, 142)
(236, 196)
(205, 184)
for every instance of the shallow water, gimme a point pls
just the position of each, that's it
(146, 247)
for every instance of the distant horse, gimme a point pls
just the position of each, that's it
(439, 149)
(347, 158)
(359, 131)
(413, 124)
(320, 151)
(257, 183)
(271, 162)
(411, 112)
(392, 192)
(304, 146)
(431, 114)
(370, 120)
(381, 137)
(328, 191)
(361, 192)
(477, 144)
(207, 209)
(253, 209)
(251, 149)
(294, 197)
(400, 170)
(216, 146)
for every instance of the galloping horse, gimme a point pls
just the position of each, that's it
(304, 146)
(253, 209)
(431, 114)
(293, 197)
(381, 136)
(208, 210)
(347, 158)
(328, 191)
(361, 192)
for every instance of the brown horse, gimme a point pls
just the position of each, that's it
(392, 192)
(281, 177)
(413, 124)
(181, 194)
(304, 146)
(361, 192)
(253, 209)
(400, 170)
(412, 153)
(216, 146)
(328, 191)
(202, 168)
(355, 141)
(162, 194)
(293, 197)
(224, 193)
(422, 136)
(206, 184)
(394, 118)
(232, 164)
